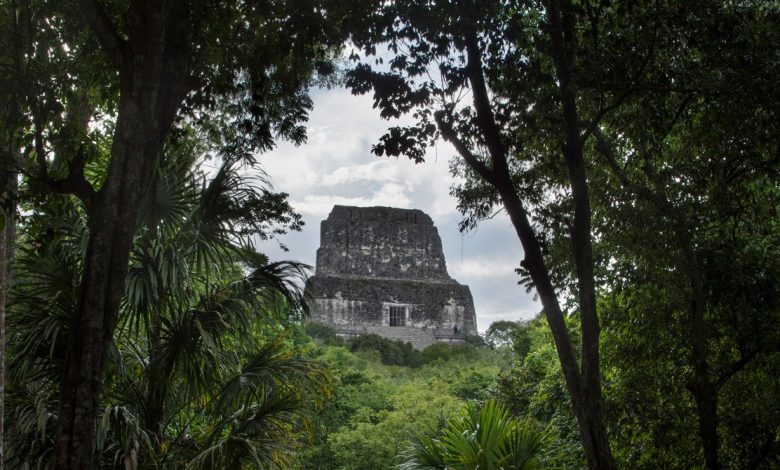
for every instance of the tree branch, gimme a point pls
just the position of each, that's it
(603, 147)
(603, 111)
(105, 32)
(449, 134)
(593, 124)
(735, 367)
(585, 407)
(486, 121)
(75, 183)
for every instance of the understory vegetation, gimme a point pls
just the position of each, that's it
(380, 411)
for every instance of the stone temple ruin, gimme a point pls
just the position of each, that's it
(382, 270)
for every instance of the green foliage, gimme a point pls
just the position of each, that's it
(475, 340)
(678, 111)
(674, 106)
(534, 388)
(500, 333)
(374, 439)
(97, 88)
(200, 374)
(447, 352)
(392, 352)
(685, 199)
(376, 408)
(324, 334)
(511, 335)
(474, 384)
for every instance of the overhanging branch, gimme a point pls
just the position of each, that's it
(105, 32)
(486, 121)
(75, 183)
(449, 134)
(735, 367)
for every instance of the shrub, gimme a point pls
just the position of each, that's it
(323, 334)
(446, 352)
(392, 352)
(475, 340)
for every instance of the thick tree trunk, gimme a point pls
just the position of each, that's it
(704, 390)
(707, 406)
(8, 198)
(112, 225)
(153, 68)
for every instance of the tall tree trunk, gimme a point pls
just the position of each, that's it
(153, 68)
(561, 19)
(583, 384)
(111, 224)
(703, 388)
(585, 402)
(7, 240)
(706, 397)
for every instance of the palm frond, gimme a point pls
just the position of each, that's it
(31, 413)
(285, 278)
(274, 369)
(121, 434)
(424, 453)
(40, 311)
(524, 448)
(264, 433)
(189, 357)
(480, 438)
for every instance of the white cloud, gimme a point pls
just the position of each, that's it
(391, 194)
(380, 170)
(336, 167)
(482, 268)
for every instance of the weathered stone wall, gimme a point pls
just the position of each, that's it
(372, 259)
(380, 242)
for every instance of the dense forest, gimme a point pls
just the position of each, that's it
(633, 146)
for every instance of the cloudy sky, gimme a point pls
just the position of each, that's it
(336, 167)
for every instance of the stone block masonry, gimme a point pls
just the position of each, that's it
(382, 270)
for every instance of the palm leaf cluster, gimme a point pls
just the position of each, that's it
(200, 373)
(484, 438)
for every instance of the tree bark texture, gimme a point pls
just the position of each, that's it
(3, 287)
(7, 236)
(153, 64)
(9, 188)
(703, 388)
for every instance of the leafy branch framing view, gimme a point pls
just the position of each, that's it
(633, 147)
